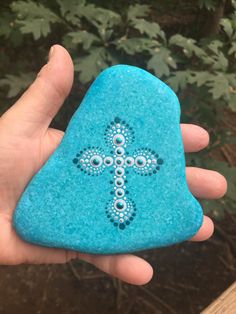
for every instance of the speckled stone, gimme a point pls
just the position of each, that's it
(117, 181)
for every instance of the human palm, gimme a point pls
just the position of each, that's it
(27, 141)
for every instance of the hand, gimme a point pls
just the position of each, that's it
(27, 141)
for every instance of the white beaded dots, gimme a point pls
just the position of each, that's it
(121, 213)
(90, 161)
(118, 133)
(144, 161)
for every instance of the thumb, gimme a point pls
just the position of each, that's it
(36, 108)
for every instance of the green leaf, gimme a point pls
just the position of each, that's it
(161, 61)
(83, 37)
(188, 44)
(231, 77)
(198, 77)
(179, 80)
(68, 6)
(221, 63)
(136, 45)
(214, 46)
(16, 83)
(34, 18)
(227, 27)
(232, 50)
(233, 3)
(219, 86)
(232, 90)
(102, 19)
(6, 24)
(137, 11)
(216, 58)
(210, 5)
(69, 10)
(99, 17)
(151, 29)
(91, 65)
(232, 100)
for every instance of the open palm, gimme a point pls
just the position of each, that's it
(27, 141)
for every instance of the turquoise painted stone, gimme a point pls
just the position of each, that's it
(117, 181)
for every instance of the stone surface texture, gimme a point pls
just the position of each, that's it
(73, 202)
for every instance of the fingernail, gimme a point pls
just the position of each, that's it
(52, 49)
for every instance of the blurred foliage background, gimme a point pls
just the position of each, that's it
(189, 44)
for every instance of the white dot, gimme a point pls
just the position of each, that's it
(98, 158)
(119, 182)
(119, 161)
(120, 192)
(142, 160)
(119, 151)
(119, 201)
(122, 140)
(119, 171)
(129, 161)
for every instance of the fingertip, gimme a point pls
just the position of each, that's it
(206, 230)
(221, 184)
(203, 136)
(137, 270)
(195, 138)
(57, 49)
(127, 267)
(59, 69)
(204, 183)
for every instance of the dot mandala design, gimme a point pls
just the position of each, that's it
(146, 161)
(118, 134)
(121, 212)
(121, 209)
(90, 160)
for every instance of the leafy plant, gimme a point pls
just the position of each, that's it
(201, 69)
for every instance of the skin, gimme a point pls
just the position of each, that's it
(27, 141)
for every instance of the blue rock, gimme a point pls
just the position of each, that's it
(117, 181)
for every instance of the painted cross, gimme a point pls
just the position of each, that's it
(121, 209)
